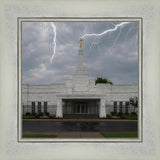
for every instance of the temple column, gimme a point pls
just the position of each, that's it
(59, 111)
(36, 107)
(102, 109)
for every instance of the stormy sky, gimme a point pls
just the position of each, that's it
(113, 55)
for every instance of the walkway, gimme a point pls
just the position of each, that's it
(70, 134)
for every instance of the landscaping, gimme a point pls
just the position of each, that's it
(120, 134)
(38, 116)
(132, 116)
(105, 134)
(38, 136)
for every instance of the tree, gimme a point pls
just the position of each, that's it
(134, 102)
(102, 80)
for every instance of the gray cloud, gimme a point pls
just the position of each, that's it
(113, 55)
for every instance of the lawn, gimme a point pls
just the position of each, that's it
(28, 117)
(38, 117)
(120, 134)
(38, 136)
(128, 117)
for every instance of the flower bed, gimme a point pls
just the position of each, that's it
(129, 117)
(45, 116)
(39, 116)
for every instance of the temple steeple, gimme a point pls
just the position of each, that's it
(80, 42)
(80, 68)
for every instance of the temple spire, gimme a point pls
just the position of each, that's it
(80, 42)
(80, 67)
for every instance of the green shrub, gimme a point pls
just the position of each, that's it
(115, 117)
(103, 80)
(109, 116)
(38, 136)
(28, 117)
(44, 117)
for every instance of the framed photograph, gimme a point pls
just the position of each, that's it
(58, 101)
(79, 80)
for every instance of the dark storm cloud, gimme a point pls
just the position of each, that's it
(113, 55)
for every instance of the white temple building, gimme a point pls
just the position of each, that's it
(78, 96)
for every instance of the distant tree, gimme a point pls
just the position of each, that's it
(134, 102)
(102, 80)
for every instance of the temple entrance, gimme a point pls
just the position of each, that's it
(80, 108)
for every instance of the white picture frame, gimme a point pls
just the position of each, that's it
(20, 21)
(11, 148)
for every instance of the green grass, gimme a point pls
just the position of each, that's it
(128, 117)
(120, 134)
(28, 117)
(38, 136)
(131, 117)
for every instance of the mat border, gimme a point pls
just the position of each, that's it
(80, 19)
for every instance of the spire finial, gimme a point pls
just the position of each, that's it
(80, 42)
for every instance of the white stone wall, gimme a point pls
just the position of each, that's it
(43, 93)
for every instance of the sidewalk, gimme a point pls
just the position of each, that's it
(70, 134)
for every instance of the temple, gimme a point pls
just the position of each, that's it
(78, 96)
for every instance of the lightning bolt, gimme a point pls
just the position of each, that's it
(106, 31)
(84, 36)
(93, 45)
(54, 41)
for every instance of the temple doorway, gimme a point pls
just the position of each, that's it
(81, 108)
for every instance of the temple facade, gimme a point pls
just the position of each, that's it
(78, 96)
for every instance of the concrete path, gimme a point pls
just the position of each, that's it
(70, 134)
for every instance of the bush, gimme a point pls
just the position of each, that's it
(39, 115)
(115, 117)
(102, 80)
(126, 113)
(120, 116)
(109, 116)
(120, 113)
(44, 117)
(28, 114)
